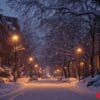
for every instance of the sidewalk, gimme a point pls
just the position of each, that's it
(10, 88)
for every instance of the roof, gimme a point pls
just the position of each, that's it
(10, 21)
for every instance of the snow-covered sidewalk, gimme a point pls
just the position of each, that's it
(8, 88)
(11, 87)
(81, 87)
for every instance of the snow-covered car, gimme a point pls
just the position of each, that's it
(97, 83)
(94, 81)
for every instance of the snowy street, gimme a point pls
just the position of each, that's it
(49, 91)
(49, 49)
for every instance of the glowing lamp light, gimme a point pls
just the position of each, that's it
(79, 50)
(36, 66)
(30, 59)
(15, 37)
(81, 63)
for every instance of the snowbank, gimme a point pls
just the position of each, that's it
(8, 88)
(94, 81)
(23, 80)
(81, 87)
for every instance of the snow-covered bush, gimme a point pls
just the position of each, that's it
(94, 81)
(97, 83)
(23, 80)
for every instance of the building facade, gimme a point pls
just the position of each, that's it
(8, 27)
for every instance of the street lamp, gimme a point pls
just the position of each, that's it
(82, 63)
(58, 70)
(58, 73)
(79, 52)
(15, 39)
(82, 67)
(31, 67)
(30, 59)
(36, 66)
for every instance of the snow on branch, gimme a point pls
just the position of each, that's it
(76, 13)
(95, 13)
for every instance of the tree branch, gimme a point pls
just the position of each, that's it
(97, 14)
(80, 13)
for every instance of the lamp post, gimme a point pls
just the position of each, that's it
(79, 52)
(30, 71)
(15, 39)
(36, 67)
(59, 73)
(82, 67)
(30, 59)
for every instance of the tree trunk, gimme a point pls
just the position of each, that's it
(68, 69)
(92, 48)
(65, 72)
(92, 57)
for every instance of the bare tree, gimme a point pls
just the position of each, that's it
(35, 12)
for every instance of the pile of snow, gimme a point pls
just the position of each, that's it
(73, 84)
(71, 79)
(94, 81)
(9, 88)
(81, 87)
(46, 80)
(23, 80)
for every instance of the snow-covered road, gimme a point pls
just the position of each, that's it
(48, 91)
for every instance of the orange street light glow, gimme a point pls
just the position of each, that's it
(81, 63)
(58, 70)
(30, 59)
(36, 66)
(79, 50)
(15, 37)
